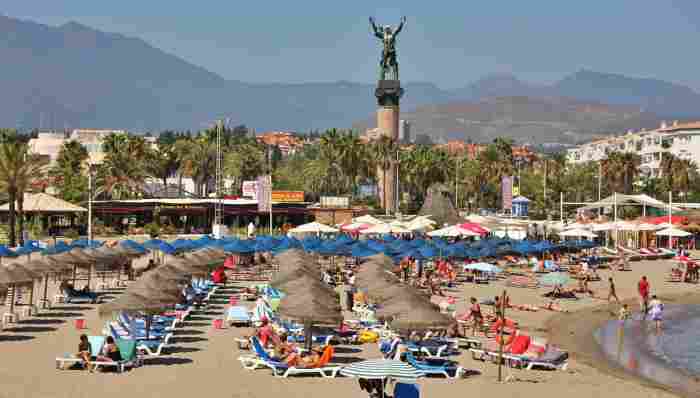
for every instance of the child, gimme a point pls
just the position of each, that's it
(624, 313)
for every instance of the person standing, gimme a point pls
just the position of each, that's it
(656, 311)
(612, 293)
(350, 291)
(643, 290)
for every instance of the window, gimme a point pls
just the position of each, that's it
(657, 140)
(657, 155)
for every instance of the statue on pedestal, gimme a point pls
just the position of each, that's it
(388, 66)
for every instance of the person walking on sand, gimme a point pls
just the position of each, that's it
(612, 293)
(643, 289)
(656, 312)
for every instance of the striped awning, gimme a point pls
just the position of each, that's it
(382, 369)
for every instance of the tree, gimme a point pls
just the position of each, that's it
(67, 172)
(198, 160)
(18, 167)
(122, 173)
(162, 163)
(244, 162)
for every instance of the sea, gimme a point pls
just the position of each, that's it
(670, 358)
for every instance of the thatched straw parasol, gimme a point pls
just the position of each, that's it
(135, 302)
(14, 274)
(45, 266)
(295, 264)
(410, 309)
(439, 206)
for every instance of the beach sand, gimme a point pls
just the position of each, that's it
(205, 362)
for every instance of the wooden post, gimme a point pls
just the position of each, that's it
(500, 333)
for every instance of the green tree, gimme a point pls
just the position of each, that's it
(68, 172)
(122, 173)
(18, 168)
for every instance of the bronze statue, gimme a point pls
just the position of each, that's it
(388, 66)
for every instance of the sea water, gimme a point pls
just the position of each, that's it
(679, 341)
(671, 357)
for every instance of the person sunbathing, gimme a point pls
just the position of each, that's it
(552, 306)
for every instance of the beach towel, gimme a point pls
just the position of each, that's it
(520, 344)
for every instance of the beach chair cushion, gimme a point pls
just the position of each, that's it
(238, 314)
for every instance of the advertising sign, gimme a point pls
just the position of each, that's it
(507, 192)
(288, 196)
(335, 202)
(264, 184)
(250, 189)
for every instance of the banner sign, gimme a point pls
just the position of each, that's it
(507, 192)
(264, 184)
(288, 196)
(250, 189)
(516, 186)
(337, 202)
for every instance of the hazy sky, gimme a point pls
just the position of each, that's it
(450, 43)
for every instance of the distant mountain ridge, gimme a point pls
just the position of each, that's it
(74, 76)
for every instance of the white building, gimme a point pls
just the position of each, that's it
(679, 139)
(50, 143)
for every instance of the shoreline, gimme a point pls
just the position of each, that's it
(575, 332)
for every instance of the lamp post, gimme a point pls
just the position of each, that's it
(91, 170)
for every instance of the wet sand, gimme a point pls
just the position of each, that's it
(205, 363)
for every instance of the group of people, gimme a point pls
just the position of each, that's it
(284, 351)
(109, 353)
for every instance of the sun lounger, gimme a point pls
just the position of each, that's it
(523, 281)
(263, 360)
(96, 343)
(648, 254)
(238, 315)
(127, 349)
(320, 369)
(448, 368)
(552, 359)
(75, 297)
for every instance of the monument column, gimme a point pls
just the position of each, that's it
(388, 94)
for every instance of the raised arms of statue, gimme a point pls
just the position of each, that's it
(398, 29)
(377, 31)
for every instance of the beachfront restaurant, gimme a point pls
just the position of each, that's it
(194, 216)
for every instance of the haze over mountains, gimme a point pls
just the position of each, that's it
(74, 76)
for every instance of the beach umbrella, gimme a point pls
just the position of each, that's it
(410, 309)
(135, 302)
(577, 233)
(453, 232)
(238, 246)
(554, 279)
(367, 219)
(483, 267)
(45, 265)
(85, 243)
(380, 369)
(5, 252)
(313, 227)
(673, 232)
(294, 263)
(361, 249)
(13, 275)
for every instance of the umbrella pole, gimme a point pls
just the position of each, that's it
(500, 333)
(89, 275)
(31, 295)
(12, 302)
(74, 274)
(46, 288)
(308, 335)
(149, 318)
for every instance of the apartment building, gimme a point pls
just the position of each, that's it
(679, 139)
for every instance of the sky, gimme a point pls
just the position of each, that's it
(449, 43)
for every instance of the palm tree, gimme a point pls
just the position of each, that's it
(244, 162)
(18, 168)
(198, 159)
(162, 162)
(122, 173)
(68, 174)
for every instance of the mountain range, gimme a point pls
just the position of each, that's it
(73, 76)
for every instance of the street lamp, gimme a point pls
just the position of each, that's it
(91, 170)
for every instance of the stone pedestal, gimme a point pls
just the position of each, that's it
(388, 95)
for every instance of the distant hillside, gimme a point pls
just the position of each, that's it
(526, 119)
(75, 76)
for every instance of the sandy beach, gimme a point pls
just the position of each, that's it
(204, 361)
